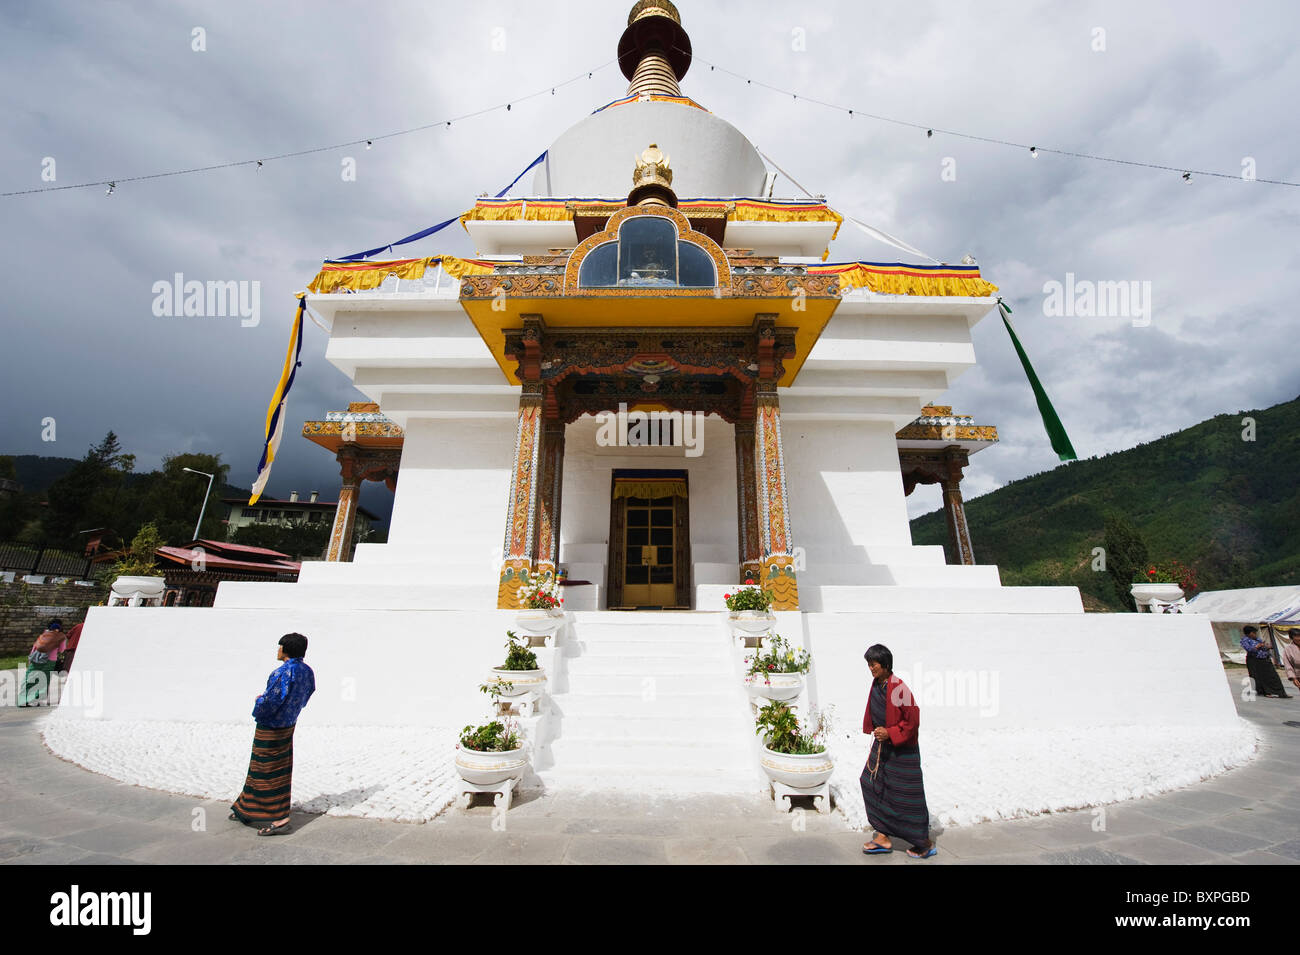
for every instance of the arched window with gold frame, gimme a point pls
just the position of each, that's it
(647, 252)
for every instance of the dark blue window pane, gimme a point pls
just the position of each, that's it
(599, 266)
(697, 269)
(647, 253)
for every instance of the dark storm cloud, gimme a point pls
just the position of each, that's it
(116, 90)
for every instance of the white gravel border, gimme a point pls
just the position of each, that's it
(407, 773)
(973, 777)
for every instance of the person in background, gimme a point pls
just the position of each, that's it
(1259, 664)
(42, 664)
(70, 648)
(1291, 658)
(265, 799)
(892, 787)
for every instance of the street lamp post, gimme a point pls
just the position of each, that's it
(208, 494)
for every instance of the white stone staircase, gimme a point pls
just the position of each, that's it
(648, 702)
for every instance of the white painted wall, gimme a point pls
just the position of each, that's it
(454, 486)
(1072, 672)
(596, 156)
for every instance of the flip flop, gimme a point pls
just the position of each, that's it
(876, 849)
(275, 830)
(933, 850)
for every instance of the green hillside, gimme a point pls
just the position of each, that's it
(1229, 507)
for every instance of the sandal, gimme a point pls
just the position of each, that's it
(275, 830)
(932, 850)
(874, 848)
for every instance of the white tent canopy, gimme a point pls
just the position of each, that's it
(1230, 610)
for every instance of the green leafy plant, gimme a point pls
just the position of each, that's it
(518, 656)
(541, 594)
(749, 598)
(781, 731)
(780, 657)
(498, 736)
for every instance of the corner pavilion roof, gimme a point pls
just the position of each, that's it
(939, 428)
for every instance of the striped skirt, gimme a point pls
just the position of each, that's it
(895, 797)
(265, 798)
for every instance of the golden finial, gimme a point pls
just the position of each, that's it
(652, 180)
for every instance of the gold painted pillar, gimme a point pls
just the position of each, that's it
(953, 512)
(746, 500)
(521, 510)
(548, 501)
(776, 560)
(345, 515)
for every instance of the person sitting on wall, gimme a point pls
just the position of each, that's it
(70, 648)
(268, 788)
(42, 664)
(1259, 664)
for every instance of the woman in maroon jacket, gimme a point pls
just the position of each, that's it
(892, 787)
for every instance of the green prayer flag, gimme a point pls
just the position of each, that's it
(1055, 430)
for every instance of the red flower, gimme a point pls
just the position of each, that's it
(726, 596)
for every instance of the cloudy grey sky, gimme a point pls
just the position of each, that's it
(113, 90)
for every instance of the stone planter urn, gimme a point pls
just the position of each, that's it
(749, 627)
(522, 681)
(799, 775)
(775, 686)
(540, 625)
(1144, 594)
(489, 769)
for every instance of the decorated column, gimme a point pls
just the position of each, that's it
(345, 515)
(548, 501)
(521, 510)
(776, 549)
(953, 512)
(746, 501)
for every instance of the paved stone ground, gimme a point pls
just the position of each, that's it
(55, 812)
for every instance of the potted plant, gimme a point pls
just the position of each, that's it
(750, 611)
(520, 673)
(778, 673)
(1162, 583)
(791, 755)
(491, 753)
(542, 612)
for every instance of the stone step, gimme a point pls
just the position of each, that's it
(694, 649)
(719, 665)
(595, 778)
(649, 755)
(618, 706)
(721, 729)
(639, 683)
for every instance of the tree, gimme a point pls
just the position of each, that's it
(140, 559)
(91, 495)
(299, 541)
(173, 497)
(1126, 555)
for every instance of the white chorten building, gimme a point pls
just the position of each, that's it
(660, 391)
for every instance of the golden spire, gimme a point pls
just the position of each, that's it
(654, 52)
(652, 182)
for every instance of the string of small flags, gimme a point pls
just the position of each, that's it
(1034, 150)
(368, 142)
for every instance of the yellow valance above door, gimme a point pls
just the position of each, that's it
(673, 487)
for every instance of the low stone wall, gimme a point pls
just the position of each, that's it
(25, 609)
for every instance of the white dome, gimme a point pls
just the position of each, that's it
(710, 158)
